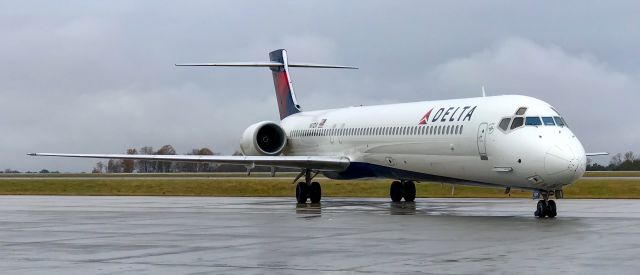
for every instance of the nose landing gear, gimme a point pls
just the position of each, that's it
(546, 207)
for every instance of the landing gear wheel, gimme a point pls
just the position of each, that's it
(551, 209)
(315, 192)
(302, 192)
(409, 192)
(395, 191)
(541, 209)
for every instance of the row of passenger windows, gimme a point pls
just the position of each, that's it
(520, 121)
(381, 131)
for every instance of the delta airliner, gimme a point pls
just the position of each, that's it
(508, 141)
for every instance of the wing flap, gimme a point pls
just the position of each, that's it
(323, 163)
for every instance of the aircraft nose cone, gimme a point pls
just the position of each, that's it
(560, 161)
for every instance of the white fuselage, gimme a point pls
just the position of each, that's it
(456, 141)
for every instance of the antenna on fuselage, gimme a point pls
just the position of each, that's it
(483, 93)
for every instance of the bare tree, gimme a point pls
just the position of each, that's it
(128, 165)
(165, 166)
(98, 168)
(114, 166)
(145, 166)
(629, 156)
(616, 160)
(205, 166)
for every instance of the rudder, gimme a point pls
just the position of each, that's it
(286, 97)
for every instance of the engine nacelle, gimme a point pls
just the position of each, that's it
(264, 138)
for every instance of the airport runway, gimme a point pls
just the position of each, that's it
(169, 235)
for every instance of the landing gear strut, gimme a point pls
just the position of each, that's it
(546, 207)
(307, 189)
(402, 189)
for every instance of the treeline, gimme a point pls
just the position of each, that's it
(149, 166)
(619, 162)
(43, 171)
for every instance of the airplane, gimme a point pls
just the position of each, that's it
(506, 141)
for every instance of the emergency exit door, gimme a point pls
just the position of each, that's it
(482, 141)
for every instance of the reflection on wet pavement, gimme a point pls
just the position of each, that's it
(80, 235)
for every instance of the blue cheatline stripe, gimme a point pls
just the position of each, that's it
(357, 170)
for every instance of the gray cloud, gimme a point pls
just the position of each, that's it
(85, 76)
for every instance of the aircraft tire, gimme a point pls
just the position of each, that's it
(551, 209)
(409, 191)
(541, 209)
(395, 192)
(315, 192)
(302, 192)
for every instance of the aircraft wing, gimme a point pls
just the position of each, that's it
(597, 154)
(322, 163)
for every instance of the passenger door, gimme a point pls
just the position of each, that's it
(482, 141)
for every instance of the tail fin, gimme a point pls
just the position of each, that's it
(287, 102)
(279, 65)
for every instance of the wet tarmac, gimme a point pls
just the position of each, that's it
(169, 235)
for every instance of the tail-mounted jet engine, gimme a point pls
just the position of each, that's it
(264, 138)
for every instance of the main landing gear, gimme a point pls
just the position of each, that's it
(402, 189)
(546, 207)
(308, 189)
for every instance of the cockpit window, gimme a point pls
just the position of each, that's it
(517, 122)
(533, 120)
(521, 111)
(559, 121)
(504, 123)
(548, 121)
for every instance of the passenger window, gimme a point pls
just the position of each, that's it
(461, 129)
(533, 121)
(504, 123)
(521, 111)
(457, 128)
(559, 121)
(517, 122)
(548, 121)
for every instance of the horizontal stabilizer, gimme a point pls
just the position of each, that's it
(266, 64)
(279, 66)
(320, 163)
(597, 154)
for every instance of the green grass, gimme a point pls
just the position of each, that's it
(283, 187)
(146, 175)
(612, 174)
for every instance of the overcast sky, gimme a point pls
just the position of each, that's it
(98, 76)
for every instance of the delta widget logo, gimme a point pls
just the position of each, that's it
(425, 118)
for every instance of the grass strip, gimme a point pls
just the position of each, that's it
(605, 189)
